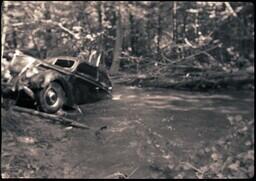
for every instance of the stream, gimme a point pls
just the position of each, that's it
(145, 129)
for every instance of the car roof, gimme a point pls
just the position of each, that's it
(64, 57)
(61, 57)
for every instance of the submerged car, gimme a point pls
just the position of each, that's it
(56, 82)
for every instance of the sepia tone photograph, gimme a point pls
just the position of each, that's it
(127, 89)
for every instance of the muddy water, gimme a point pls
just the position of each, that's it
(146, 128)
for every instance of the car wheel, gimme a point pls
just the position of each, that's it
(51, 98)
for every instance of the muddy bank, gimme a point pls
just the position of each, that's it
(189, 78)
(149, 133)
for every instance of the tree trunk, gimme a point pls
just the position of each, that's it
(174, 22)
(196, 25)
(133, 31)
(100, 11)
(48, 35)
(14, 38)
(159, 33)
(4, 26)
(184, 25)
(118, 43)
(132, 34)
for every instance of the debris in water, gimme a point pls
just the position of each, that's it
(97, 132)
(68, 128)
(116, 97)
(25, 139)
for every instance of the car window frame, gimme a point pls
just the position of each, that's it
(76, 62)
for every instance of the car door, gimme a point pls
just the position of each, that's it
(82, 88)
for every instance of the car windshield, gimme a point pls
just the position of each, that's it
(64, 63)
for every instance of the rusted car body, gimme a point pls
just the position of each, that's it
(56, 82)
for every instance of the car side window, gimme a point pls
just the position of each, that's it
(64, 63)
(84, 68)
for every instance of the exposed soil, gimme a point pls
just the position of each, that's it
(146, 131)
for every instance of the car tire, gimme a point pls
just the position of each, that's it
(51, 98)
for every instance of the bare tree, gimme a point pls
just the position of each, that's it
(118, 43)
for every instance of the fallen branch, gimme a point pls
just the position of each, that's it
(198, 53)
(210, 56)
(48, 22)
(165, 58)
(132, 172)
(68, 31)
(118, 175)
(192, 166)
(230, 9)
(188, 43)
(62, 120)
(188, 57)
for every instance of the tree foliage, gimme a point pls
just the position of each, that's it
(134, 32)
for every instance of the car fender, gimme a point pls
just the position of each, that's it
(43, 79)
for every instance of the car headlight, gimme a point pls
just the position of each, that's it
(31, 72)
